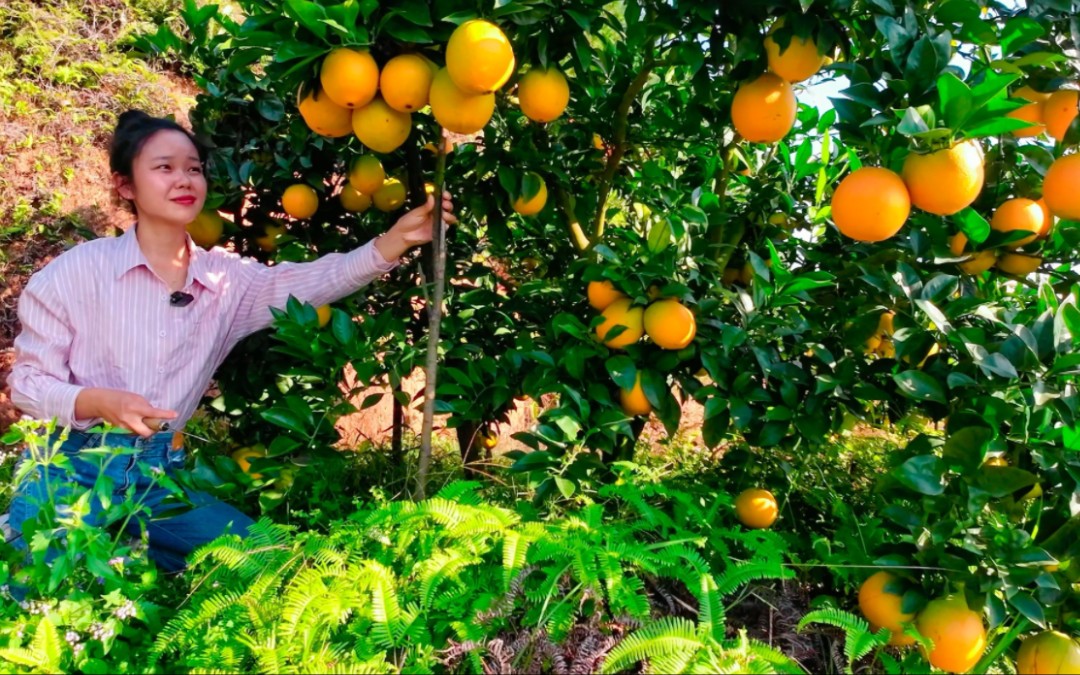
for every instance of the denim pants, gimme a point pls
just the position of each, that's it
(171, 538)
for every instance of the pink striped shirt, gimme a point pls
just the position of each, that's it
(98, 316)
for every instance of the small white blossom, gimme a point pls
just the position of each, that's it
(125, 611)
(72, 637)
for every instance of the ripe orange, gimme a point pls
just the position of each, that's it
(457, 110)
(325, 117)
(895, 639)
(763, 110)
(1019, 214)
(1018, 264)
(881, 602)
(268, 241)
(1048, 652)
(380, 127)
(354, 200)
(488, 438)
(1048, 219)
(957, 243)
(622, 313)
(543, 94)
(405, 82)
(796, 63)
(300, 201)
(391, 196)
(535, 204)
(870, 204)
(1060, 187)
(633, 400)
(1033, 112)
(958, 633)
(670, 324)
(730, 276)
(367, 174)
(602, 293)
(1059, 111)
(977, 263)
(479, 57)
(350, 77)
(945, 181)
(244, 455)
(206, 229)
(996, 461)
(324, 314)
(756, 508)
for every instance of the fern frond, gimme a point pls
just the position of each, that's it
(710, 609)
(734, 577)
(669, 636)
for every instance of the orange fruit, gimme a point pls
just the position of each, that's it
(389, 197)
(457, 110)
(756, 508)
(1048, 219)
(543, 94)
(268, 241)
(895, 639)
(535, 204)
(945, 181)
(206, 229)
(324, 314)
(957, 243)
(870, 204)
(670, 324)
(885, 323)
(243, 458)
(354, 200)
(479, 57)
(325, 117)
(798, 61)
(380, 127)
(1019, 214)
(763, 110)
(881, 602)
(1061, 187)
(958, 633)
(1048, 652)
(1059, 111)
(488, 438)
(730, 276)
(300, 201)
(602, 293)
(367, 174)
(633, 400)
(349, 77)
(996, 461)
(1032, 112)
(873, 344)
(977, 263)
(405, 82)
(1018, 264)
(622, 313)
(1026, 93)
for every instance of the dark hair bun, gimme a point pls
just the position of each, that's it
(133, 129)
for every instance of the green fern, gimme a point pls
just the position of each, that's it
(667, 638)
(859, 641)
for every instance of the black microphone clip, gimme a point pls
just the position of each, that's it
(180, 299)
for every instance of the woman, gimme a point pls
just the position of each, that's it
(131, 328)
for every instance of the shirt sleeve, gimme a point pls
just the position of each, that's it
(331, 277)
(40, 378)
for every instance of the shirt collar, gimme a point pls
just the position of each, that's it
(131, 256)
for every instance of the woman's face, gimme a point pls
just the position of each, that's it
(167, 183)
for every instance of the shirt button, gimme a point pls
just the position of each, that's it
(162, 333)
(161, 369)
(165, 297)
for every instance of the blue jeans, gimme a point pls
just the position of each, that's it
(171, 538)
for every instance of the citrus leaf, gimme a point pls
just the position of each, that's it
(920, 386)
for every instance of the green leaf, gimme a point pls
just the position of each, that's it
(956, 100)
(566, 487)
(973, 225)
(659, 235)
(622, 371)
(920, 386)
(1029, 607)
(271, 109)
(309, 14)
(1002, 481)
(924, 474)
(912, 123)
(967, 446)
(285, 418)
(1019, 32)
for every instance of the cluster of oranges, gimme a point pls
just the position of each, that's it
(667, 322)
(763, 110)
(872, 203)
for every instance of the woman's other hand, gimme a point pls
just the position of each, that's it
(415, 228)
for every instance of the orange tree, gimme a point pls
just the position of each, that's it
(902, 248)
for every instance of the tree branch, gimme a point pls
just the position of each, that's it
(566, 203)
